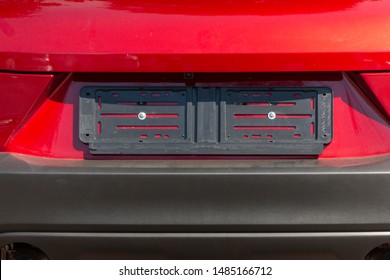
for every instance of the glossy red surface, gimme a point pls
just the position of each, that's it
(359, 130)
(183, 35)
(379, 84)
(18, 94)
(191, 36)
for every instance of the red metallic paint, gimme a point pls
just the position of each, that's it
(50, 129)
(191, 36)
(379, 84)
(359, 130)
(183, 35)
(18, 94)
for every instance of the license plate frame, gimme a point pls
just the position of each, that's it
(206, 120)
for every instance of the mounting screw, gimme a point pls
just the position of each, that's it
(272, 115)
(142, 116)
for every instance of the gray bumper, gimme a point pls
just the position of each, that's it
(270, 202)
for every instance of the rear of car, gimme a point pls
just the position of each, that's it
(182, 130)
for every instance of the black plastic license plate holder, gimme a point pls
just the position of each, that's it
(206, 120)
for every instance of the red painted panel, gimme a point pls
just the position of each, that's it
(18, 94)
(194, 36)
(379, 83)
(50, 131)
(359, 130)
(234, 62)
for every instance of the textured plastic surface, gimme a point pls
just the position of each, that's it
(133, 115)
(194, 195)
(206, 246)
(205, 120)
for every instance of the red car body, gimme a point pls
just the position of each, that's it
(49, 50)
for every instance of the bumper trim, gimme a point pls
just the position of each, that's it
(194, 195)
(75, 245)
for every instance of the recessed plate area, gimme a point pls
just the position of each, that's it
(206, 120)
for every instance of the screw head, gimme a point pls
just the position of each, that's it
(141, 116)
(272, 115)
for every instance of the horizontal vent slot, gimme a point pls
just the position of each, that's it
(143, 127)
(264, 127)
(133, 116)
(265, 116)
(146, 103)
(267, 104)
